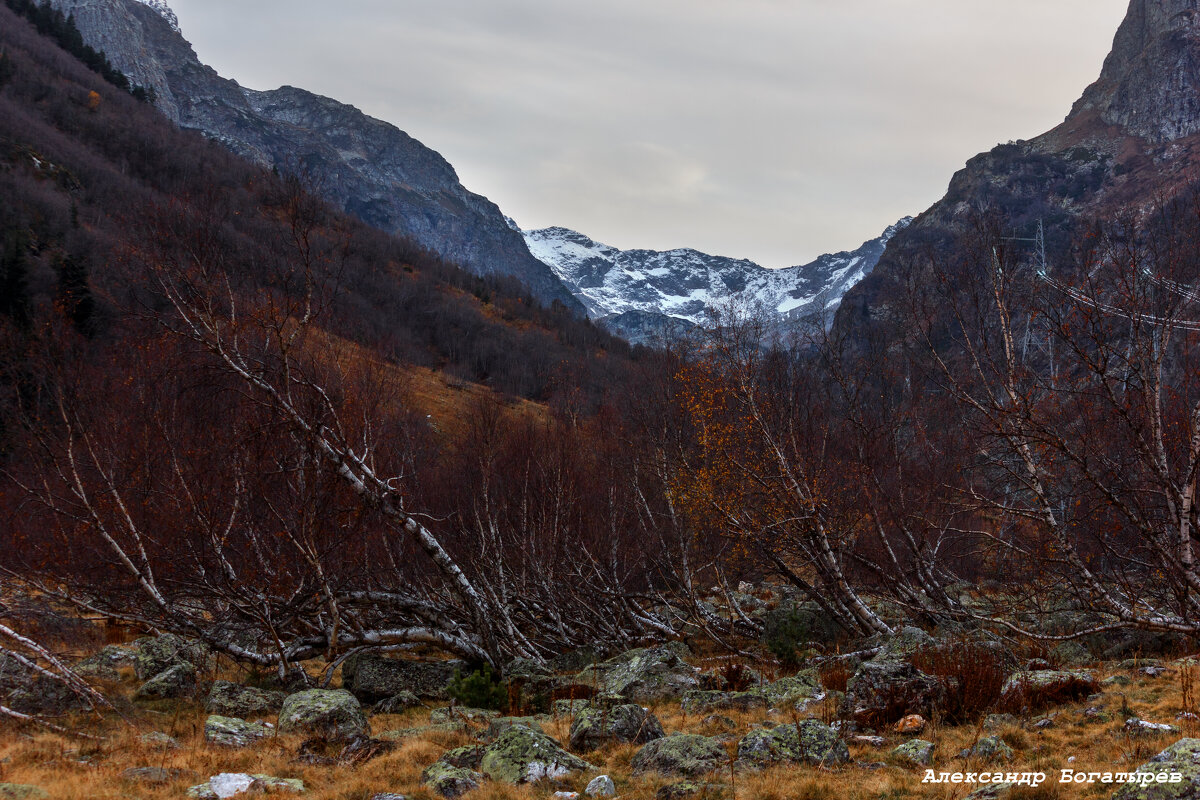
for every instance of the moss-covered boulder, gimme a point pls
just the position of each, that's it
(1182, 757)
(523, 755)
(690, 790)
(1043, 688)
(398, 704)
(498, 725)
(684, 754)
(989, 750)
(914, 753)
(236, 733)
(230, 699)
(373, 678)
(700, 701)
(595, 727)
(333, 714)
(231, 784)
(882, 692)
(644, 676)
(448, 780)
(163, 652)
(904, 644)
(176, 681)
(800, 686)
(461, 714)
(806, 742)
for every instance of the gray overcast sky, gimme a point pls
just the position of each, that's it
(774, 130)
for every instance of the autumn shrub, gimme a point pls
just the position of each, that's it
(835, 675)
(1029, 696)
(972, 676)
(735, 677)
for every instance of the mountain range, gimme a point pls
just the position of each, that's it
(373, 170)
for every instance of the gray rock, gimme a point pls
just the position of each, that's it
(156, 740)
(230, 699)
(805, 742)
(882, 692)
(388, 796)
(398, 704)
(601, 786)
(522, 755)
(699, 701)
(904, 644)
(914, 753)
(450, 781)
(498, 725)
(21, 791)
(993, 791)
(989, 750)
(237, 733)
(173, 682)
(230, 784)
(682, 754)
(689, 790)
(374, 678)
(594, 728)
(160, 653)
(644, 676)
(994, 722)
(153, 776)
(1182, 757)
(333, 714)
(440, 716)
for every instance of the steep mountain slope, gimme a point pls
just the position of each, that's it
(367, 167)
(688, 285)
(1129, 143)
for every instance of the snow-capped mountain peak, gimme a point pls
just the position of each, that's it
(688, 285)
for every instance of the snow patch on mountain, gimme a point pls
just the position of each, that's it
(688, 285)
(164, 11)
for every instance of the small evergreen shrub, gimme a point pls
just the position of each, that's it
(479, 689)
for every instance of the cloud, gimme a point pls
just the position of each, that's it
(768, 129)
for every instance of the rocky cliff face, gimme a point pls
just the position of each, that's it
(1131, 141)
(367, 167)
(1150, 84)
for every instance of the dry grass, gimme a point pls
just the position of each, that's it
(68, 769)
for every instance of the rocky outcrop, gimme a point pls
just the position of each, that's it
(644, 676)
(914, 753)
(374, 678)
(881, 693)
(234, 733)
(176, 681)
(361, 165)
(163, 652)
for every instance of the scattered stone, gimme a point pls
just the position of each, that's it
(806, 742)
(911, 725)
(1116, 680)
(699, 701)
(566, 795)
(468, 757)
(1097, 714)
(1155, 672)
(230, 732)
(398, 703)
(646, 675)
(682, 754)
(450, 781)
(989, 750)
(914, 753)
(523, 755)
(870, 741)
(231, 784)
(21, 791)
(801, 686)
(1045, 722)
(388, 796)
(1182, 757)
(330, 713)
(160, 653)
(593, 727)
(1071, 654)
(176, 681)
(373, 678)
(995, 791)
(230, 699)
(601, 786)
(423, 730)
(362, 749)
(156, 740)
(1137, 726)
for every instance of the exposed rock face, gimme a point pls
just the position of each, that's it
(235, 700)
(681, 754)
(374, 678)
(595, 727)
(522, 755)
(369, 168)
(1182, 757)
(645, 675)
(806, 742)
(1150, 84)
(236, 733)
